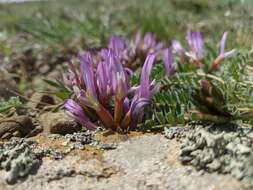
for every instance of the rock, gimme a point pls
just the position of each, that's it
(81, 137)
(151, 162)
(220, 149)
(214, 166)
(141, 162)
(58, 123)
(106, 146)
(55, 74)
(17, 126)
(44, 69)
(18, 159)
(39, 100)
(173, 132)
(78, 140)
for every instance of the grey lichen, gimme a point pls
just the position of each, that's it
(81, 137)
(174, 132)
(18, 159)
(225, 149)
(78, 140)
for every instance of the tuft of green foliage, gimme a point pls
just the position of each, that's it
(61, 91)
(172, 104)
(13, 103)
(228, 97)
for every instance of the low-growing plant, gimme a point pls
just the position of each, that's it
(108, 90)
(102, 92)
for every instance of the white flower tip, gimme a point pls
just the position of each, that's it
(230, 53)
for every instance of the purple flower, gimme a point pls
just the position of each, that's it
(196, 43)
(102, 90)
(126, 105)
(76, 111)
(144, 90)
(103, 80)
(135, 112)
(196, 54)
(147, 45)
(149, 42)
(137, 39)
(118, 45)
(178, 47)
(119, 83)
(222, 54)
(89, 95)
(119, 78)
(87, 73)
(168, 61)
(72, 79)
(142, 95)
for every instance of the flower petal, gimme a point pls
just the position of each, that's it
(118, 45)
(137, 39)
(77, 113)
(223, 42)
(102, 79)
(195, 41)
(86, 70)
(178, 47)
(149, 41)
(118, 76)
(144, 89)
(138, 106)
(168, 61)
(230, 53)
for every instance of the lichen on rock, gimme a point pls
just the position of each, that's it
(18, 159)
(225, 149)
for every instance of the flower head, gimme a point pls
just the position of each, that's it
(178, 47)
(222, 53)
(103, 81)
(142, 95)
(89, 95)
(196, 54)
(118, 45)
(105, 90)
(146, 45)
(144, 90)
(196, 43)
(118, 76)
(168, 61)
